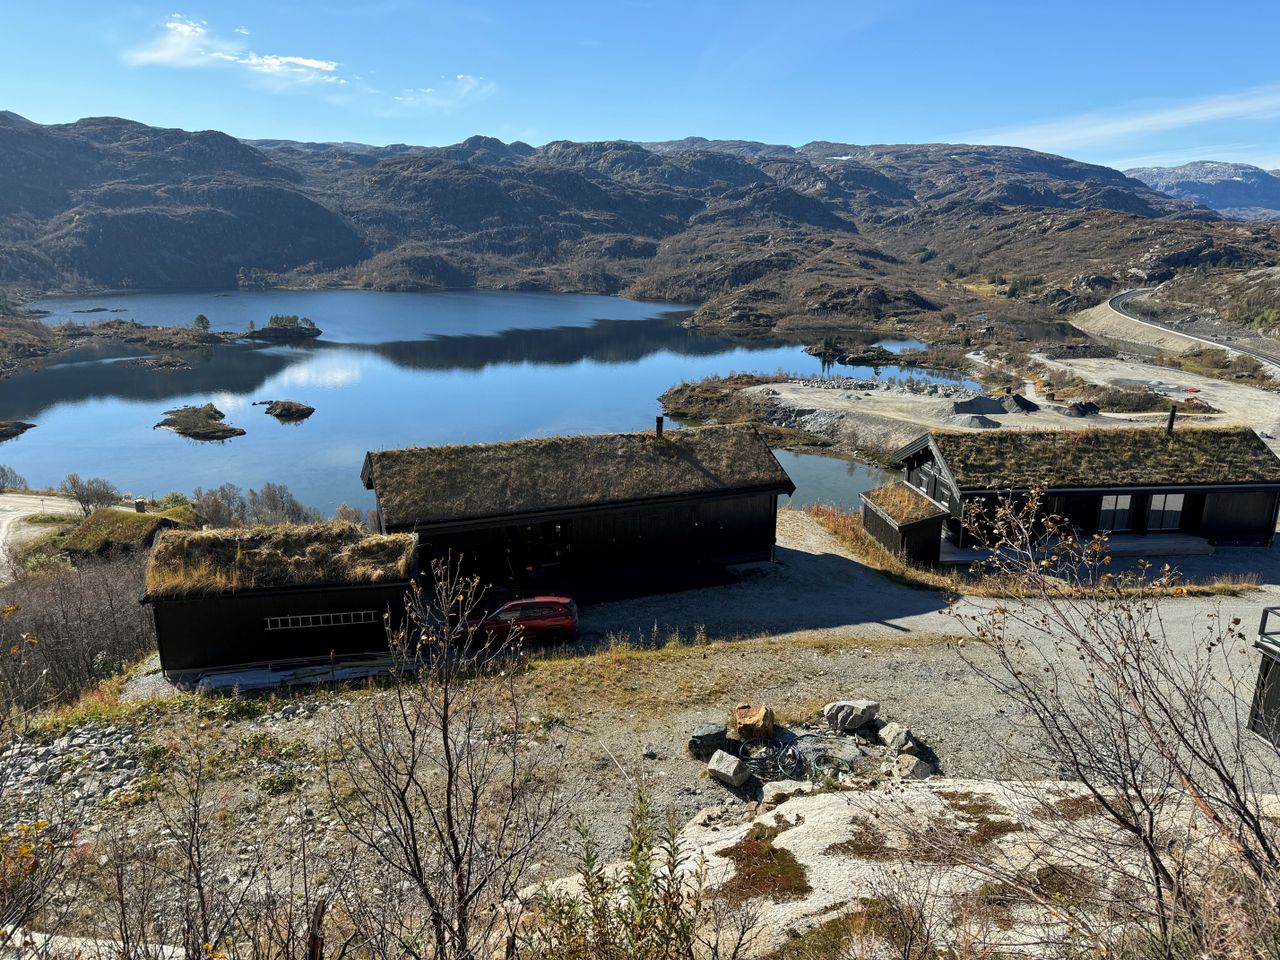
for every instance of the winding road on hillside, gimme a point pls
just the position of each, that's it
(1120, 304)
(16, 507)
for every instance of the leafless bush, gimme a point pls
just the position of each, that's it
(275, 504)
(1153, 726)
(656, 907)
(89, 494)
(440, 786)
(229, 506)
(67, 629)
(223, 506)
(11, 479)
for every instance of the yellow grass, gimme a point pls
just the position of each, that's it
(217, 561)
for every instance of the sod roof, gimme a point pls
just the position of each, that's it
(428, 485)
(1019, 460)
(203, 562)
(903, 503)
(111, 529)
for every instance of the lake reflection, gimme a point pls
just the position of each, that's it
(392, 369)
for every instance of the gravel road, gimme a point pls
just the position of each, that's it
(16, 506)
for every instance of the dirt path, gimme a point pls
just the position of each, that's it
(15, 507)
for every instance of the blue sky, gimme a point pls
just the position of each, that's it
(1122, 83)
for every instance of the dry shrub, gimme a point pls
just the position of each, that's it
(69, 629)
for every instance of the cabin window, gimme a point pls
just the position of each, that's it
(1115, 512)
(305, 621)
(1165, 512)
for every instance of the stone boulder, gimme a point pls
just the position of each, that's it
(846, 716)
(728, 769)
(753, 721)
(897, 739)
(907, 767)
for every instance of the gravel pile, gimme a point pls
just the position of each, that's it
(87, 765)
(922, 388)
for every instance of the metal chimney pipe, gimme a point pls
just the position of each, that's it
(1173, 415)
(657, 427)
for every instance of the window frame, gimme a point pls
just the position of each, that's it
(1163, 511)
(1115, 510)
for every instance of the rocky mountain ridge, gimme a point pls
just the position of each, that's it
(763, 236)
(1238, 190)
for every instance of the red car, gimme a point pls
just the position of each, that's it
(546, 620)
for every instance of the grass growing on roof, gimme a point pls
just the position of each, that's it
(1022, 459)
(903, 503)
(432, 484)
(197, 562)
(111, 529)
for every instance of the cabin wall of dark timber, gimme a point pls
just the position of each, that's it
(201, 633)
(1229, 517)
(920, 543)
(1243, 516)
(714, 530)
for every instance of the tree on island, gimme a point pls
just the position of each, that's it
(201, 323)
(289, 321)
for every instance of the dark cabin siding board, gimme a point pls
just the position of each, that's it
(713, 530)
(1246, 516)
(218, 631)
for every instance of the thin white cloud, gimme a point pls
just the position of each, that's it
(447, 94)
(182, 42)
(1109, 127)
(186, 42)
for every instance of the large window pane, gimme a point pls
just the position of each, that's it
(1115, 512)
(1165, 512)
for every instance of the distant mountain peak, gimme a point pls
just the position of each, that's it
(1239, 190)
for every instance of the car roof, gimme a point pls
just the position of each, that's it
(540, 600)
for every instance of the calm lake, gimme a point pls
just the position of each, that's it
(392, 369)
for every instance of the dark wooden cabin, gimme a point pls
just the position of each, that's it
(598, 516)
(905, 521)
(1218, 483)
(274, 595)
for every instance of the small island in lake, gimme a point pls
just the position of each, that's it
(165, 364)
(286, 411)
(11, 429)
(284, 327)
(199, 423)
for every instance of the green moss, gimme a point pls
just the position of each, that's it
(763, 869)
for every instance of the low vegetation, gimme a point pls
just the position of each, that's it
(762, 868)
(1220, 364)
(720, 400)
(204, 423)
(109, 529)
